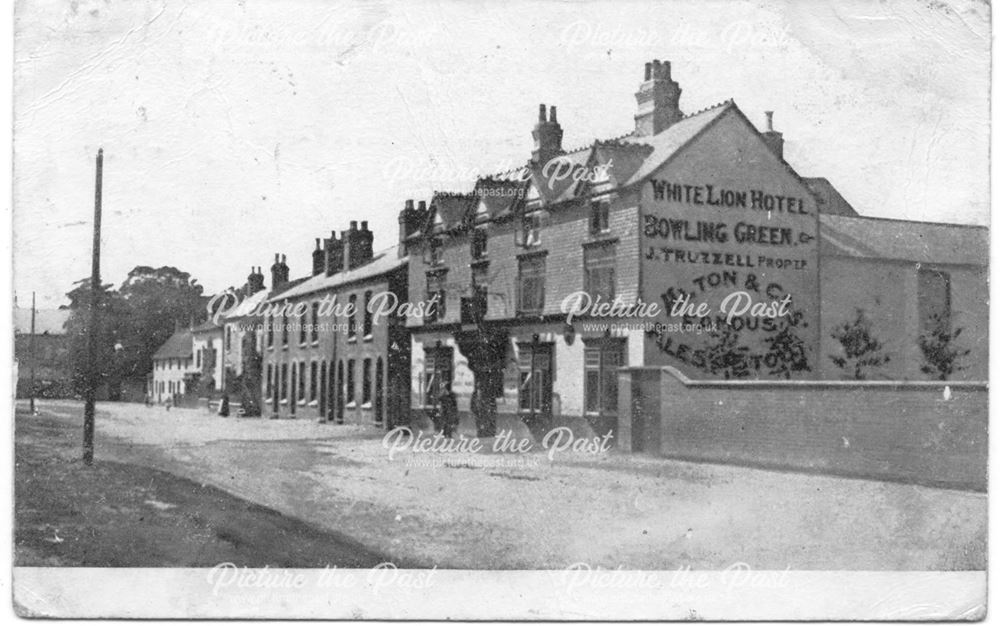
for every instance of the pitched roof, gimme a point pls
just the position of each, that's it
(178, 346)
(47, 321)
(382, 263)
(921, 242)
(829, 199)
(247, 305)
(206, 326)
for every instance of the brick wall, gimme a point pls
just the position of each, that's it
(886, 430)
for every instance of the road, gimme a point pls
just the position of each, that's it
(521, 511)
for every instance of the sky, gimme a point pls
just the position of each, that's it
(233, 130)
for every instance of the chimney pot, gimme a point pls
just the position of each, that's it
(649, 71)
(422, 205)
(364, 225)
(317, 243)
(277, 258)
(552, 114)
(541, 112)
(770, 120)
(408, 204)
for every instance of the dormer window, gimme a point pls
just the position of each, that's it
(599, 222)
(478, 244)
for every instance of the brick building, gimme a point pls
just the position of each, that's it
(327, 355)
(699, 215)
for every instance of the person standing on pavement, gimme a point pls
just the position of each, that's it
(449, 412)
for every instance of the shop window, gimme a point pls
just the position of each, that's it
(601, 361)
(599, 271)
(933, 299)
(599, 221)
(437, 373)
(531, 284)
(534, 395)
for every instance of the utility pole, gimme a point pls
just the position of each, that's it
(92, 330)
(31, 355)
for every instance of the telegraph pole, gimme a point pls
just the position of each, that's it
(31, 355)
(92, 330)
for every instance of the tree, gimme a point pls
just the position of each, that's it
(106, 366)
(861, 351)
(937, 345)
(158, 300)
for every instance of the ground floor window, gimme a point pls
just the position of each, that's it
(284, 381)
(270, 381)
(350, 381)
(437, 373)
(312, 380)
(601, 360)
(534, 361)
(366, 382)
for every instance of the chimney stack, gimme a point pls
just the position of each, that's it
(410, 221)
(773, 138)
(279, 272)
(548, 137)
(319, 259)
(334, 254)
(357, 245)
(255, 281)
(658, 99)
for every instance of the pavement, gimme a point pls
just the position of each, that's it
(483, 510)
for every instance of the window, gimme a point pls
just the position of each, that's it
(599, 217)
(478, 244)
(531, 284)
(284, 381)
(435, 287)
(350, 381)
(599, 271)
(197, 359)
(367, 331)
(315, 322)
(312, 380)
(352, 318)
(933, 299)
(270, 332)
(601, 361)
(303, 322)
(284, 330)
(301, 393)
(437, 373)
(366, 382)
(270, 381)
(534, 394)
(436, 252)
(530, 232)
(229, 338)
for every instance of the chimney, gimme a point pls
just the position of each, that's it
(255, 281)
(773, 138)
(334, 254)
(319, 259)
(279, 272)
(548, 137)
(658, 99)
(357, 245)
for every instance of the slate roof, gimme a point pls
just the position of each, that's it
(921, 242)
(382, 263)
(178, 346)
(47, 321)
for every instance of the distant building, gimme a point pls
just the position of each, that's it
(207, 347)
(174, 373)
(48, 353)
(338, 361)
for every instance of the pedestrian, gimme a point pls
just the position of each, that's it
(224, 405)
(449, 412)
(170, 401)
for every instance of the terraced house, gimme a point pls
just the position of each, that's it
(720, 259)
(325, 354)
